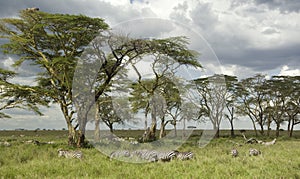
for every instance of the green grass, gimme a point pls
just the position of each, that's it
(22, 160)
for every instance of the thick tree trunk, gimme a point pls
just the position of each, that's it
(71, 135)
(151, 134)
(82, 118)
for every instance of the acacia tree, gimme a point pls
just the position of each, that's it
(231, 95)
(252, 101)
(283, 94)
(212, 91)
(154, 95)
(53, 42)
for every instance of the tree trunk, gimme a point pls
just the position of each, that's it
(261, 129)
(151, 135)
(111, 128)
(277, 129)
(218, 132)
(97, 125)
(82, 118)
(232, 129)
(146, 124)
(71, 135)
(216, 128)
(254, 127)
(183, 127)
(291, 129)
(162, 128)
(289, 125)
(175, 130)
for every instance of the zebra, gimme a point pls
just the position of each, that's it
(119, 154)
(167, 156)
(70, 154)
(149, 155)
(234, 152)
(185, 155)
(254, 152)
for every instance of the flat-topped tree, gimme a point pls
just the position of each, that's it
(53, 42)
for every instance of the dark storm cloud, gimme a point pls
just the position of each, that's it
(94, 8)
(285, 6)
(262, 59)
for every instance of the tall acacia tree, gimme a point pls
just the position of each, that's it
(53, 42)
(212, 91)
(252, 100)
(231, 95)
(154, 95)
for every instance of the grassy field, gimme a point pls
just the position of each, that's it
(22, 160)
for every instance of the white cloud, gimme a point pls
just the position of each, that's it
(286, 71)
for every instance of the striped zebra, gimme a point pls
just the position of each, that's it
(167, 156)
(70, 154)
(254, 152)
(149, 155)
(119, 154)
(234, 152)
(185, 155)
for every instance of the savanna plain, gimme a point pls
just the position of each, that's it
(28, 160)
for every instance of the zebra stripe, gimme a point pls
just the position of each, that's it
(167, 156)
(185, 155)
(119, 154)
(149, 155)
(70, 154)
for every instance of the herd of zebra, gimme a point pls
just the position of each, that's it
(152, 155)
(145, 155)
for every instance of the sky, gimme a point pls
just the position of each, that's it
(234, 37)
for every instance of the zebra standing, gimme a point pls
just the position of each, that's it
(185, 155)
(234, 152)
(70, 154)
(167, 156)
(254, 152)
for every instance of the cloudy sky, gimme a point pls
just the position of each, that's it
(235, 37)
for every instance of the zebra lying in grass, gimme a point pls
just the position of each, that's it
(70, 154)
(153, 155)
(254, 152)
(185, 155)
(166, 156)
(119, 154)
(234, 152)
(148, 155)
